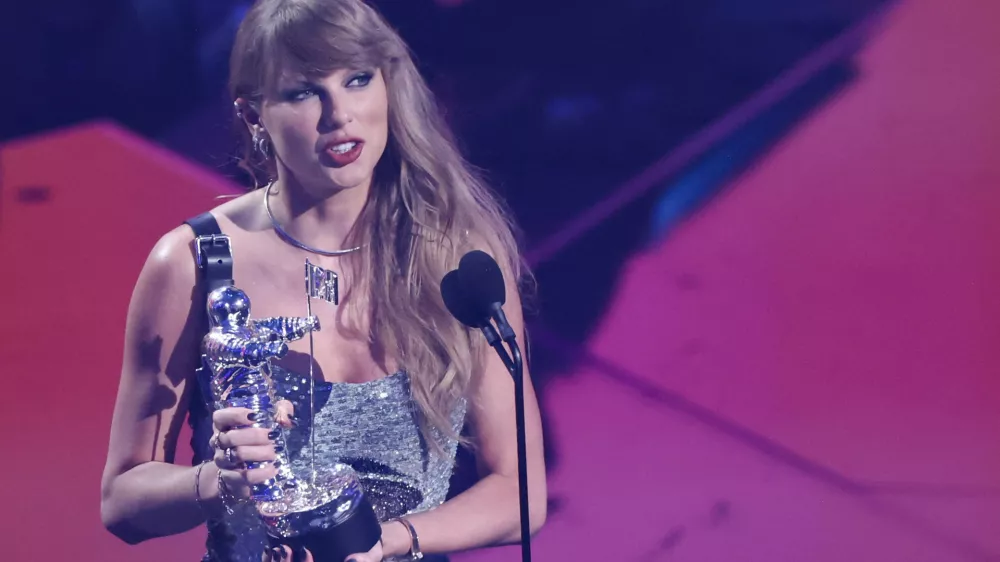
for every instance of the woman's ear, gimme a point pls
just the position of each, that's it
(247, 112)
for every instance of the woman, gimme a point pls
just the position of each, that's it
(363, 179)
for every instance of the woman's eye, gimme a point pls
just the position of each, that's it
(299, 94)
(360, 80)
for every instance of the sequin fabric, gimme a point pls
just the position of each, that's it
(371, 426)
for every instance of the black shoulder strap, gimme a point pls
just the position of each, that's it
(213, 252)
(214, 257)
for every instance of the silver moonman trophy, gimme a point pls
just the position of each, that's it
(325, 511)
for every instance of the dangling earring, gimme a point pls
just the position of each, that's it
(260, 142)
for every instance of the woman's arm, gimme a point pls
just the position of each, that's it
(143, 495)
(488, 513)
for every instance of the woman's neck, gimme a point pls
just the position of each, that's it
(321, 222)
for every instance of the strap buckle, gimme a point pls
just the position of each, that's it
(212, 239)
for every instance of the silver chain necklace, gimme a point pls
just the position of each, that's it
(291, 239)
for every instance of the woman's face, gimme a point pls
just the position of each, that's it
(328, 134)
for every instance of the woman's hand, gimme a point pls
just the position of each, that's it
(236, 443)
(373, 555)
(285, 554)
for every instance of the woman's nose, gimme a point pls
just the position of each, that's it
(336, 115)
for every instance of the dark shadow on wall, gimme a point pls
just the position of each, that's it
(576, 286)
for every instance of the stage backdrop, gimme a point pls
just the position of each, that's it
(81, 210)
(805, 371)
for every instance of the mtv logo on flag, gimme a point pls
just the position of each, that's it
(321, 283)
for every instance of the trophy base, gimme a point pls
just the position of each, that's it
(330, 516)
(356, 534)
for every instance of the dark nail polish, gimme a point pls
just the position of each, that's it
(252, 416)
(299, 553)
(274, 434)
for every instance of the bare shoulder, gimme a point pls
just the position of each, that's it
(171, 258)
(173, 255)
(510, 262)
(243, 213)
(163, 297)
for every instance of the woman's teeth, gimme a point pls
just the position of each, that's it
(343, 147)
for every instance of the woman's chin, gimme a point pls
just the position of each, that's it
(326, 184)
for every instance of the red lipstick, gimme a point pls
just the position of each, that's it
(343, 152)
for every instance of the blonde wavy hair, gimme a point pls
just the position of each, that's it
(426, 207)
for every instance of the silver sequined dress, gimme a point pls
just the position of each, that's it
(371, 426)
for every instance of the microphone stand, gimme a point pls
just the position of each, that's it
(515, 367)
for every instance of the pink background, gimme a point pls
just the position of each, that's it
(807, 369)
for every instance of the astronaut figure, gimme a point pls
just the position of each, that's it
(237, 351)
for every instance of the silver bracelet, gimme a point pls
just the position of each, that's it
(197, 488)
(414, 553)
(227, 497)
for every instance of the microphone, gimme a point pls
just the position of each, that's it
(482, 282)
(458, 304)
(475, 294)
